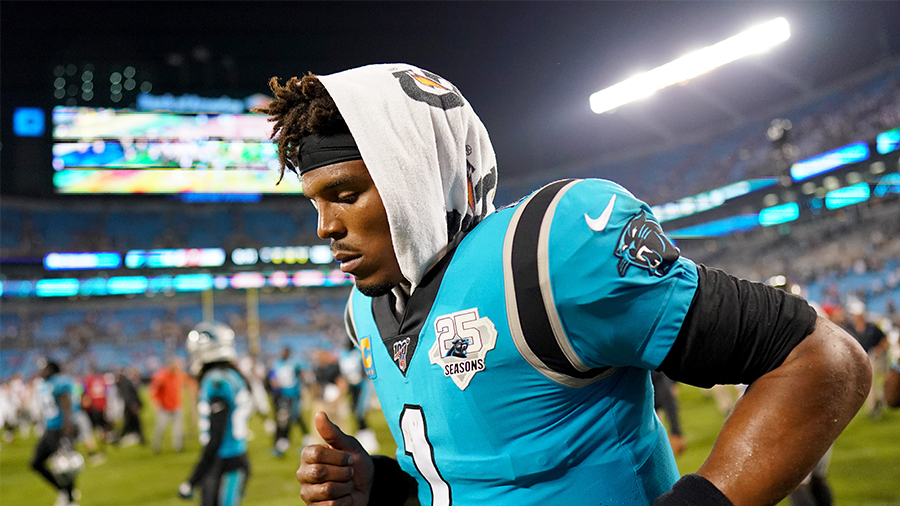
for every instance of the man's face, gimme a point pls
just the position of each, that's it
(352, 215)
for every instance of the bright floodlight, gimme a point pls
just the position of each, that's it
(755, 40)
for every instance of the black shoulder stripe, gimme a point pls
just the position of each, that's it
(349, 325)
(534, 323)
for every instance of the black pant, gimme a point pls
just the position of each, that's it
(816, 493)
(132, 423)
(99, 421)
(287, 410)
(224, 484)
(48, 444)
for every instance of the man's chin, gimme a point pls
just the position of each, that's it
(374, 289)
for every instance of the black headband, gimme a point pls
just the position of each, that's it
(317, 151)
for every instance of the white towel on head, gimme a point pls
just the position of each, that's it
(428, 153)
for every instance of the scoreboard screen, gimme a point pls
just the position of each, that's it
(122, 151)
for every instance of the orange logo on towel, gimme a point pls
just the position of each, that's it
(430, 88)
(429, 82)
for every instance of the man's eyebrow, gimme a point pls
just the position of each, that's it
(335, 183)
(341, 181)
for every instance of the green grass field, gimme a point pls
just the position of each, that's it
(865, 468)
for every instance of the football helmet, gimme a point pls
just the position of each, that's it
(66, 463)
(210, 342)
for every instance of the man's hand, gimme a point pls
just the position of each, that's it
(185, 491)
(341, 472)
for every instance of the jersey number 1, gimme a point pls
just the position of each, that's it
(417, 446)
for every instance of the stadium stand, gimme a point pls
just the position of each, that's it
(55, 326)
(11, 222)
(135, 229)
(203, 228)
(68, 230)
(270, 227)
(144, 333)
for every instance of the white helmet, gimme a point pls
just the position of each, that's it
(66, 463)
(210, 342)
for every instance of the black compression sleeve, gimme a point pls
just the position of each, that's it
(693, 490)
(218, 420)
(391, 485)
(736, 331)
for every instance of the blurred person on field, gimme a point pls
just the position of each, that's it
(664, 400)
(59, 405)
(167, 395)
(360, 389)
(8, 420)
(224, 405)
(95, 403)
(20, 395)
(83, 422)
(892, 374)
(329, 392)
(873, 340)
(254, 372)
(132, 428)
(286, 381)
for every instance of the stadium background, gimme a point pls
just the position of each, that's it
(527, 68)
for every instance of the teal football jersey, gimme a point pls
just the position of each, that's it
(519, 372)
(287, 373)
(51, 388)
(225, 384)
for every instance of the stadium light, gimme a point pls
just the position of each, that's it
(755, 40)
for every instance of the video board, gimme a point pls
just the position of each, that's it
(122, 151)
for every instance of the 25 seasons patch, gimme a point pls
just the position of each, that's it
(463, 339)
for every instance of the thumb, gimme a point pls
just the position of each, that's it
(333, 435)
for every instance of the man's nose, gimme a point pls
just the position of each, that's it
(329, 226)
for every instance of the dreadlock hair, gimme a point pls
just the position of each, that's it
(301, 107)
(53, 367)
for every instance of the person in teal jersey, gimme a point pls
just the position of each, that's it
(287, 378)
(59, 405)
(511, 348)
(224, 406)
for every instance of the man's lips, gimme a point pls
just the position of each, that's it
(349, 261)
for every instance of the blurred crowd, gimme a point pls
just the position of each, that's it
(111, 407)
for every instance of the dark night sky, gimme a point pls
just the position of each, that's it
(526, 67)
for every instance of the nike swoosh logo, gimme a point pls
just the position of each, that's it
(599, 223)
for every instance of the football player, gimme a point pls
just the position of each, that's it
(287, 377)
(59, 404)
(224, 406)
(511, 349)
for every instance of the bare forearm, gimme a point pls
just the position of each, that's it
(789, 417)
(892, 388)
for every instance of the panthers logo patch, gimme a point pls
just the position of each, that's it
(643, 244)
